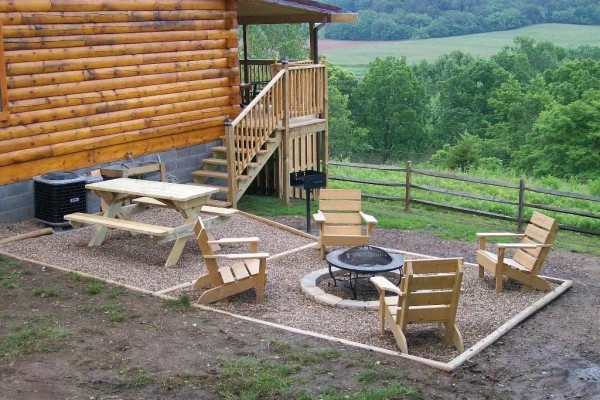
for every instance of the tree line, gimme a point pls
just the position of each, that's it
(421, 19)
(533, 107)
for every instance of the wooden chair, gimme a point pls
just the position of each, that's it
(429, 292)
(526, 262)
(340, 217)
(249, 272)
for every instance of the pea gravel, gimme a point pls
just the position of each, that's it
(139, 261)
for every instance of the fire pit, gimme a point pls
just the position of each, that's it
(365, 260)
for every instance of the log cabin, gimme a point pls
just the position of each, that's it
(89, 83)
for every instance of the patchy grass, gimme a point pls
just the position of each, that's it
(46, 292)
(35, 336)
(134, 379)
(94, 288)
(182, 304)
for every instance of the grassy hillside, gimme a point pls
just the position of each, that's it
(356, 56)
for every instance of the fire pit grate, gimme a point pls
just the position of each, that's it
(366, 260)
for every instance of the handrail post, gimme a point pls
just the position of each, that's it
(325, 116)
(521, 205)
(231, 163)
(408, 181)
(286, 133)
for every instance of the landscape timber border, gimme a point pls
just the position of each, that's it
(450, 366)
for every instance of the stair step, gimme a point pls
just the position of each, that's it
(210, 174)
(219, 149)
(214, 174)
(218, 161)
(218, 203)
(222, 189)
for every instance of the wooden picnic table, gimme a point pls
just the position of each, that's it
(143, 194)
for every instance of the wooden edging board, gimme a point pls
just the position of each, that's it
(450, 366)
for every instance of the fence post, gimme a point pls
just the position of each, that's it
(407, 199)
(521, 205)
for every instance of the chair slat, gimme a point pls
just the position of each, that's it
(333, 194)
(428, 313)
(433, 266)
(430, 297)
(538, 234)
(439, 281)
(342, 218)
(525, 259)
(543, 221)
(339, 205)
(226, 275)
(253, 266)
(533, 252)
(348, 230)
(239, 271)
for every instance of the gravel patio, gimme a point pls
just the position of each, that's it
(138, 261)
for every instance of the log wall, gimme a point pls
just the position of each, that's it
(89, 81)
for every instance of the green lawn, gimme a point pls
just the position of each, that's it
(357, 57)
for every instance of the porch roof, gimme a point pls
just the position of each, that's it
(289, 11)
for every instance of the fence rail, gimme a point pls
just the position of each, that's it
(521, 188)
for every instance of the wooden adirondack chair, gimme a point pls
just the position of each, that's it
(530, 253)
(429, 292)
(249, 272)
(340, 219)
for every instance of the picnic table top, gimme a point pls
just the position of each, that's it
(153, 189)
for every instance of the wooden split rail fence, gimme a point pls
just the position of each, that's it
(521, 204)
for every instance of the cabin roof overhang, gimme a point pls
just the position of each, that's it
(290, 11)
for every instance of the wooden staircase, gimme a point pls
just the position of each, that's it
(290, 107)
(216, 174)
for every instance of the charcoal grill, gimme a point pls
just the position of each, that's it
(308, 180)
(365, 260)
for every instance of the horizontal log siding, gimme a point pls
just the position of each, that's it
(89, 81)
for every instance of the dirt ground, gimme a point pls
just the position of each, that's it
(118, 344)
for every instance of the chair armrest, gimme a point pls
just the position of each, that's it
(319, 216)
(369, 219)
(383, 285)
(522, 245)
(500, 234)
(234, 240)
(239, 256)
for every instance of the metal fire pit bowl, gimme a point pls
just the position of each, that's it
(366, 260)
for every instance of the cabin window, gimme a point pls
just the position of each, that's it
(4, 114)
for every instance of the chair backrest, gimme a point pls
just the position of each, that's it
(541, 230)
(432, 290)
(206, 249)
(341, 207)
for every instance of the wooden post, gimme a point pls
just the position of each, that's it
(325, 116)
(521, 205)
(407, 198)
(313, 40)
(285, 141)
(231, 163)
(247, 76)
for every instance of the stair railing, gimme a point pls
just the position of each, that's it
(295, 91)
(246, 134)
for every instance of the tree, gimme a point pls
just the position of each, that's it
(271, 42)
(345, 139)
(390, 103)
(464, 97)
(516, 106)
(565, 140)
